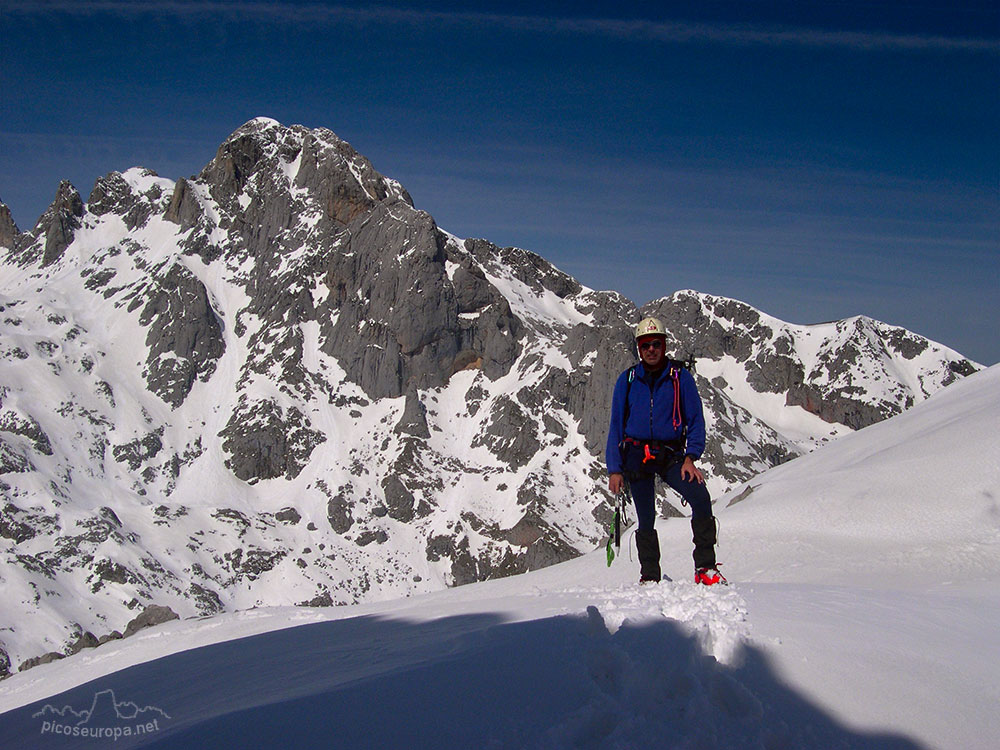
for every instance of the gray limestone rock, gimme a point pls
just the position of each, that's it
(104, 571)
(464, 567)
(542, 545)
(8, 229)
(378, 536)
(26, 426)
(53, 232)
(510, 434)
(398, 499)
(323, 599)
(234, 165)
(154, 614)
(252, 562)
(206, 600)
(137, 452)
(15, 524)
(184, 208)
(114, 635)
(113, 194)
(338, 513)
(86, 639)
(60, 222)
(262, 441)
(414, 418)
(548, 551)
(288, 515)
(184, 336)
(587, 389)
(35, 661)
(396, 310)
(472, 291)
(693, 332)
(828, 390)
(525, 266)
(13, 460)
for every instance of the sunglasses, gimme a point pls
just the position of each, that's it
(654, 345)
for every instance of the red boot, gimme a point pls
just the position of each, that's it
(709, 576)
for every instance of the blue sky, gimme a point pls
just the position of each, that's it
(814, 159)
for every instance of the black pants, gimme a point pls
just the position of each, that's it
(644, 496)
(695, 494)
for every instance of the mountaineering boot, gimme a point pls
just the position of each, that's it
(709, 576)
(648, 545)
(703, 528)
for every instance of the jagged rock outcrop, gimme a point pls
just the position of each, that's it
(53, 232)
(8, 229)
(114, 194)
(182, 348)
(265, 442)
(414, 418)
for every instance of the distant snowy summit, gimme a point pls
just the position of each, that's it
(278, 382)
(852, 372)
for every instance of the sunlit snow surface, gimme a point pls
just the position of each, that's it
(862, 613)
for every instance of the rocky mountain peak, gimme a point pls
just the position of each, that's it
(316, 161)
(54, 230)
(280, 382)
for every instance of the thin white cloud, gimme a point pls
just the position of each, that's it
(657, 31)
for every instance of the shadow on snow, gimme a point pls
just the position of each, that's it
(461, 681)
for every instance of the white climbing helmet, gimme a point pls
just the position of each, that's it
(649, 327)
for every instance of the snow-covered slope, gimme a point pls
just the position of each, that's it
(279, 382)
(909, 501)
(841, 629)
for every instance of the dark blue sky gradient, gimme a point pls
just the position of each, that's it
(815, 159)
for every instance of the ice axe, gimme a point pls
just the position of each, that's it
(615, 534)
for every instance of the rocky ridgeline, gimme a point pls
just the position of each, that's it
(279, 382)
(861, 372)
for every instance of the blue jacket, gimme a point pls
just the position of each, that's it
(651, 413)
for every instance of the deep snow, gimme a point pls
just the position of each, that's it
(862, 613)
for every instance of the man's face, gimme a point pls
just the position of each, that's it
(652, 351)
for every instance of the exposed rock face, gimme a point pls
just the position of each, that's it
(53, 232)
(281, 376)
(414, 419)
(182, 348)
(8, 229)
(265, 443)
(114, 194)
(852, 379)
(60, 222)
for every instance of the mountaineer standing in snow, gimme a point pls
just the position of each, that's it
(658, 429)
